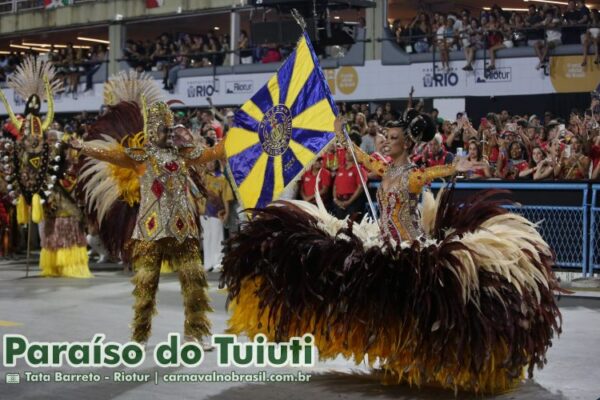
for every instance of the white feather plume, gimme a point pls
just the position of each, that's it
(28, 78)
(131, 86)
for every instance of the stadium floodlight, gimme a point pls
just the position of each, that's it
(57, 46)
(88, 39)
(507, 9)
(562, 3)
(36, 44)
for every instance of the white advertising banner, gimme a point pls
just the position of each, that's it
(63, 102)
(373, 81)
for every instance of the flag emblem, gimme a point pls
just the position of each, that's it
(275, 130)
(281, 130)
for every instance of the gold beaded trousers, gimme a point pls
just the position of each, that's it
(184, 258)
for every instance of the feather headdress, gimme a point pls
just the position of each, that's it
(131, 86)
(30, 76)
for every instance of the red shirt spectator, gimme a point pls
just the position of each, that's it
(436, 154)
(347, 181)
(309, 181)
(272, 55)
(595, 155)
(513, 168)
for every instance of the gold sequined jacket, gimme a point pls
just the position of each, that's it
(398, 205)
(166, 207)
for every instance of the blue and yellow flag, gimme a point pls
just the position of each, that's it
(281, 130)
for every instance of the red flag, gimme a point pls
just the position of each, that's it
(57, 3)
(153, 3)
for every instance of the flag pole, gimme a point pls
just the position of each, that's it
(302, 24)
(362, 180)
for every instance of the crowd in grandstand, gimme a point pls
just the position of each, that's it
(498, 146)
(542, 28)
(72, 63)
(171, 54)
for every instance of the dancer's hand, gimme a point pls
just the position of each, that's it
(338, 126)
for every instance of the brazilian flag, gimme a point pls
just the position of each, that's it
(281, 130)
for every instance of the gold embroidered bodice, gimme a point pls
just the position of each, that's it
(166, 207)
(398, 204)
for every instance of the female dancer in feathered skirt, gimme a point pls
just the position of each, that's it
(457, 295)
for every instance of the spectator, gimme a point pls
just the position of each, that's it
(553, 37)
(97, 58)
(272, 55)
(573, 163)
(479, 168)
(501, 153)
(131, 52)
(378, 115)
(437, 154)
(361, 122)
(544, 164)
(244, 48)
(216, 57)
(309, 182)
(419, 32)
(592, 37)
(197, 50)
(584, 19)
(499, 37)
(181, 62)
(348, 190)
(519, 36)
(534, 20)
(517, 161)
(225, 50)
(209, 122)
(368, 140)
(571, 33)
(595, 156)
(537, 157)
(445, 40)
(214, 210)
(472, 41)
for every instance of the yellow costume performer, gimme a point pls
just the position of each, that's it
(164, 228)
(42, 175)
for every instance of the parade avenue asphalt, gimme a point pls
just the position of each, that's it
(69, 310)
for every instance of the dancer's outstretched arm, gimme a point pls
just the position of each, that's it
(110, 155)
(199, 156)
(372, 164)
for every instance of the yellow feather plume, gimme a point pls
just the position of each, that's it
(22, 211)
(37, 211)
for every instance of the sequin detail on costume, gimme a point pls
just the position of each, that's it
(164, 208)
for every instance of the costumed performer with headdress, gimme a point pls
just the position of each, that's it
(452, 294)
(165, 225)
(38, 170)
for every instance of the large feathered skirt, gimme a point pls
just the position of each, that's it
(471, 308)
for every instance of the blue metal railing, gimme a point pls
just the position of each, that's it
(594, 263)
(565, 228)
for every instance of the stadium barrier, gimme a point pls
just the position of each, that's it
(594, 265)
(566, 218)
